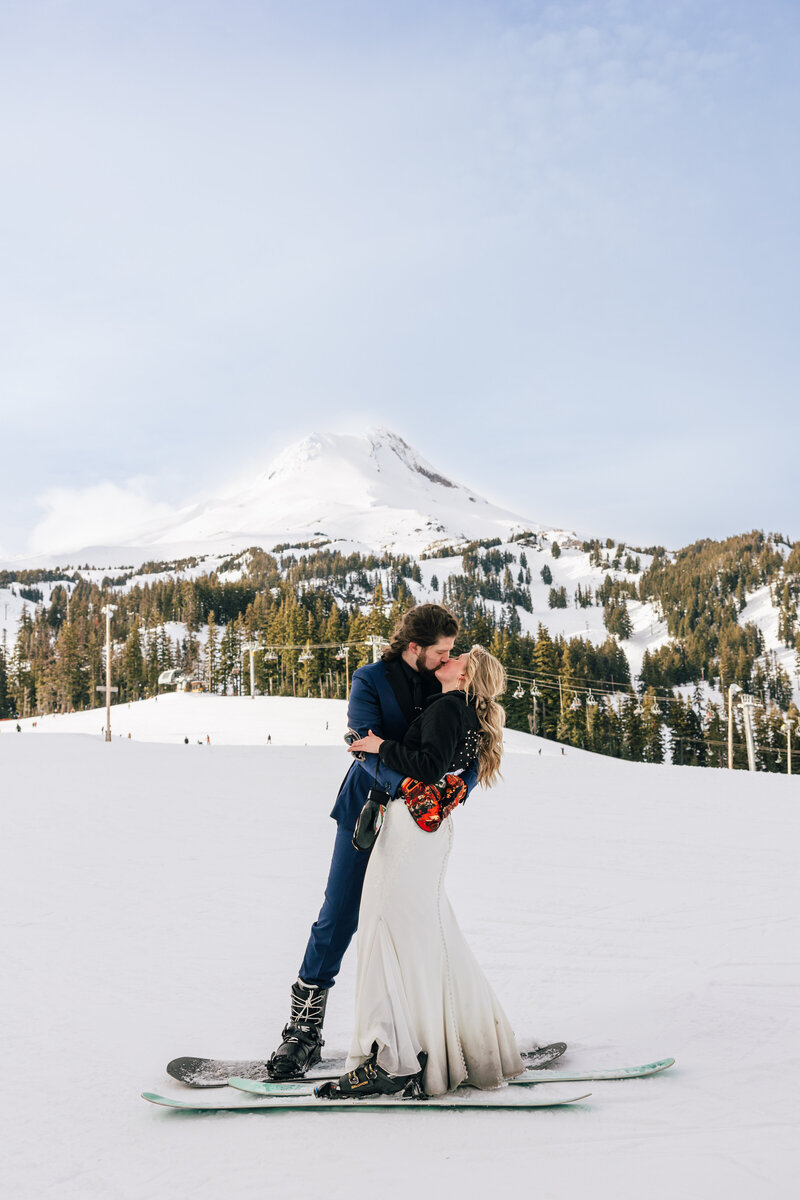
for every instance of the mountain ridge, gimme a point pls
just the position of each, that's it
(373, 491)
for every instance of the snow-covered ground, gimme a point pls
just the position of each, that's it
(212, 720)
(208, 720)
(156, 901)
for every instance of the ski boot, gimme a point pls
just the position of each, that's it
(301, 1047)
(371, 1080)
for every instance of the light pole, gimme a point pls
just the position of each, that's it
(787, 728)
(732, 690)
(108, 609)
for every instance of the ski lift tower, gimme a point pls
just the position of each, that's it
(344, 653)
(253, 647)
(532, 716)
(732, 690)
(377, 644)
(748, 703)
(787, 728)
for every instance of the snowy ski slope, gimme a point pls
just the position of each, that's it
(156, 898)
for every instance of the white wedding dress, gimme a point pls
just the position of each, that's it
(418, 984)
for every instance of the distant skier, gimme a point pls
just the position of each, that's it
(385, 697)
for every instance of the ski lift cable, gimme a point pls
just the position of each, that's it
(313, 645)
(554, 676)
(616, 693)
(624, 693)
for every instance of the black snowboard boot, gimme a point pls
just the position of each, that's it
(302, 1043)
(371, 1080)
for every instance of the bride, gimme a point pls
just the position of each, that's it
(425, 1013)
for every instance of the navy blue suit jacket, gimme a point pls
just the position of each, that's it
(373, 705)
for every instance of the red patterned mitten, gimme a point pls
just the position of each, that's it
(424, 803)
(453, 793)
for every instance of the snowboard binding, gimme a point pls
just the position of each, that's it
(371, 1080)
(301, 1040)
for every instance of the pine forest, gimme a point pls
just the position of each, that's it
(313, 615)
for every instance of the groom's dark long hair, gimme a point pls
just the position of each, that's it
(424, 625)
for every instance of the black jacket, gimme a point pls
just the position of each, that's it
(443, 738)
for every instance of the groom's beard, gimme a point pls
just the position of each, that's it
(428, 672)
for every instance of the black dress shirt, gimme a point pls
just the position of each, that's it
(412, 689)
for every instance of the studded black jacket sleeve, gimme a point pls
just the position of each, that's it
(443, 738)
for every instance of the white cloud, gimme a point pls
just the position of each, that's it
(100, 514)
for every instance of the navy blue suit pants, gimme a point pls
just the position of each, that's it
(333, 929)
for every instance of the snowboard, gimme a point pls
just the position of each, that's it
(274, 1088)
(468, 1098)
(215, 1072)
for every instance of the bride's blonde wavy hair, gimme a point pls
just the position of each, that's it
(485, 679)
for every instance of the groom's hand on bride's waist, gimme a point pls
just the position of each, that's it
(370, 744)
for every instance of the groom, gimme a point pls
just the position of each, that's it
(385, 697)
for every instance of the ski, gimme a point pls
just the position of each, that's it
(215, 1072)
(451, 1100)
(270, 1088)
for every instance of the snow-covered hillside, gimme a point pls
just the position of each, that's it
(374, 494)
(207, 720)
(156, 900)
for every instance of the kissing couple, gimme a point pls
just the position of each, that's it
(426, 1018)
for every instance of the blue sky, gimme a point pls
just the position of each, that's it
(553, 245)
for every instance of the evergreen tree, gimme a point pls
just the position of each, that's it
(7, 708)
(511, 619)
(688, 746)
(653, 747)
(230, 656)
(617, 619)
(633, 736)
(377, 623)
(787, 615)
(545, 667)
(715, 736)
(70, 670)
(152, 669)
(133, 667)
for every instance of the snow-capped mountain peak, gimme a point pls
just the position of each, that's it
(368, 492)
(372, 490)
